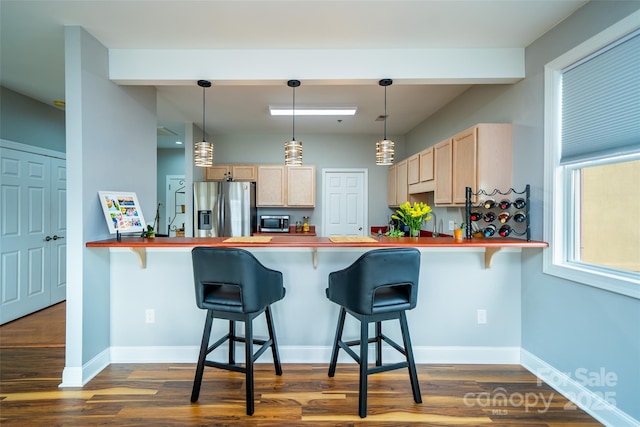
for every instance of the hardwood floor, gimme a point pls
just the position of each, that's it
(158, 394)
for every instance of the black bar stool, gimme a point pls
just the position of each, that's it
(232, 284)
(380, 285)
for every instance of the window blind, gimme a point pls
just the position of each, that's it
(601, 103)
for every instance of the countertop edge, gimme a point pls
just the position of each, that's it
(315, 242)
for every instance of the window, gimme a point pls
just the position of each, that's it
(592, 161)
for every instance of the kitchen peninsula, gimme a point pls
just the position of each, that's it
(153, 316)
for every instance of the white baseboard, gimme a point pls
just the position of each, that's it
(322, 354)
(79, 376)
(592, 403)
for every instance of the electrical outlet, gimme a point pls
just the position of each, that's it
(482, 316)
(150, 315)
(452, 225)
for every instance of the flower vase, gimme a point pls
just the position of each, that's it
(415, 232)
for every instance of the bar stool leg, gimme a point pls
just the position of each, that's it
(378, 343)
(274, 342)
(364, 362)
(232, 342)
(249, 363)
(338, 338)
(415, 386)
(197, 382)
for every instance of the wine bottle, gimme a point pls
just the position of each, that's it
(519, 216)
(489, 217)
(519, 203)
(489, 231)
(489, 204)
(476, 216)
(505, 230)
(504, 204)
(504, 217)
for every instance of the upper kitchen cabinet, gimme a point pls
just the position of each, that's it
(286, 186)
(478, 157)
(421, 172)
(391, 186)
(402, 188)
(442, 160)
(238, 172)
(397, 187)
(301, 186)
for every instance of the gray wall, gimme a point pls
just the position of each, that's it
(25, 120)
(108, 148)
(569, 325)
(323, 151)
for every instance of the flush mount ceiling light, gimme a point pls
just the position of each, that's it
(203, 150)
(276, 111)
(293, 148)
(385, 149)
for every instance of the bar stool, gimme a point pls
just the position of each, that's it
(231, 284)
(380, 285)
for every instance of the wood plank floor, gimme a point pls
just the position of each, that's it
(158, 394)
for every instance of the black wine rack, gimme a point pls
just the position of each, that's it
(517, 228)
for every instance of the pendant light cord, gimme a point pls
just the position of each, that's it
(203, 106)
(385, 112)
(293, 113)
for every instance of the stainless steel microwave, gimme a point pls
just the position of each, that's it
(274, 223)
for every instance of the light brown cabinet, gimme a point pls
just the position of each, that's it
(238, 172)
(478, 157)
(270, 189)
(402, 189)
(391, 186)
(421, 172)
(413, 169)
(442, 160)
(301, 186)
(286, 186)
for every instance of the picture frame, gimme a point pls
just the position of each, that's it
(122, 212)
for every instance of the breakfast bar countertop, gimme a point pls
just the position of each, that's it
(317, 242)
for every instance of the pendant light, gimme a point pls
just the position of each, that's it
(203, 150)
(293, 148)
(385, 149)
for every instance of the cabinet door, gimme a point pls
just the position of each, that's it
(426, 165)
(442, 157)
(402, 188)
(244, 172)
(464, 164)
(413, 169)
(216, 173)
(270, 187)
(391, 186)
(301, 186)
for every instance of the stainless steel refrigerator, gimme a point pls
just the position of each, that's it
(224, 209)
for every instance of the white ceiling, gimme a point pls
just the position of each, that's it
(32, 50)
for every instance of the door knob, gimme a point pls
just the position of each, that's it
(46, 239)
(359, 228)
(55, 237)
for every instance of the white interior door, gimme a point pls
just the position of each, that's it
(25, 230)
(344, 202)
(58, 230)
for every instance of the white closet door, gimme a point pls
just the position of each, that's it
(58, 230)
(25, 233)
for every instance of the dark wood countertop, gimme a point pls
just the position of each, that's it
(283, 241)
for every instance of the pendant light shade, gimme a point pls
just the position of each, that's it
(385, 148)
(293, 148)
(203, 150)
